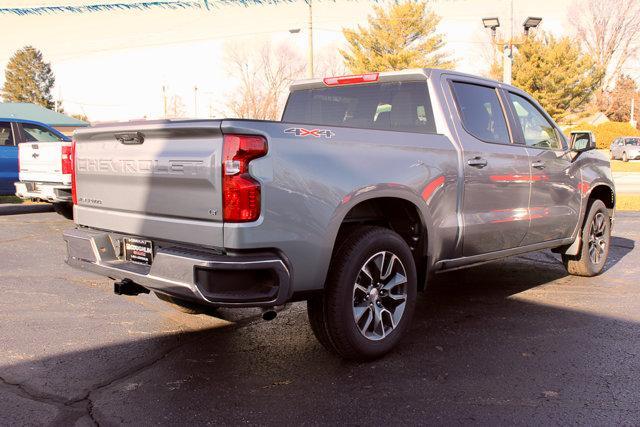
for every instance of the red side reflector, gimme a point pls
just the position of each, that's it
(240, 192)
(351, 80)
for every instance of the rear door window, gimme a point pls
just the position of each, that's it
(36, 133)
(481, 112)
(6, 135)
(399, 106)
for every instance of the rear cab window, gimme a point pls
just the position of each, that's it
(36, 133)
(397, 106)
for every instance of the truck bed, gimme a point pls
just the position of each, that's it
(158, 179)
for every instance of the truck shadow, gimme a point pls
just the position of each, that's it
(502, 342)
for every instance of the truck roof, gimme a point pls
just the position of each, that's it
(403, 75)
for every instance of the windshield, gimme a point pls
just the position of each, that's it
(633, 141)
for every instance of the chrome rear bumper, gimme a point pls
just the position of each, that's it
(254, 280)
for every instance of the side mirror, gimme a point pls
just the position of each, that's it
(582, 141)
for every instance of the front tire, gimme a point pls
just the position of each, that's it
(624, 157)
(369, 296)
(596, 239)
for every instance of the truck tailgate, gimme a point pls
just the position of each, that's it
(159, 179)
(42, 162)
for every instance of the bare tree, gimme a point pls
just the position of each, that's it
(610, 31)
(329, 62)
(176, 108)
(264, 74)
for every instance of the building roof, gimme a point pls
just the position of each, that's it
(28, 111)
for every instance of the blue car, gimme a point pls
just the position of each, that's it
(13, 132)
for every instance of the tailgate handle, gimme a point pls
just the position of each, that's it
(130, 138)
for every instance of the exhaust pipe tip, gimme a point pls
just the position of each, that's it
(269, 313)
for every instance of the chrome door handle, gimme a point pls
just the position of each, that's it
(477, 162)
(538, 165)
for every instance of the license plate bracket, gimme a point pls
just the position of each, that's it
(139, 251)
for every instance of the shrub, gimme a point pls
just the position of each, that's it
(606, 132)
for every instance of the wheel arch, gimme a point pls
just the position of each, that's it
(605, 193)
(599, 191)
(403, 213)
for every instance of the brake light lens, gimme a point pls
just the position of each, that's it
(350, 80)
(72, 157)
(240, 192)
(66, 160)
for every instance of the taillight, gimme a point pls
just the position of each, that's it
(72, 158)
(66, 160)
(350, 80)
(240, 192)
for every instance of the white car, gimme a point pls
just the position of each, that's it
(45, 174)
(625, 148)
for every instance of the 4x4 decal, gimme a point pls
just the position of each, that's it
(327, 133)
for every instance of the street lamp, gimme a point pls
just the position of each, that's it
(507, 61)
(531, 22)
(491, 23)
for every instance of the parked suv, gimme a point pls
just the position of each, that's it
(368, 186)
(625, 148)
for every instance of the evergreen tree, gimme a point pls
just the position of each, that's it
(28, 78)
(557, 73)
(402, 36)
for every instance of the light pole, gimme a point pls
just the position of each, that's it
(309, 39)
(195, 101)
(164, 99)
(310, 50)
(507, 51)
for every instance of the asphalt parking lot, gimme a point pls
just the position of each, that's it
(512, 342)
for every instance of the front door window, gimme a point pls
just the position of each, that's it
(538, 131)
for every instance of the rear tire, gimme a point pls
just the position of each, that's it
(369, 296)
(624, 157)
(181, 305)
(611, 156)
(596, 240)
(64, 209)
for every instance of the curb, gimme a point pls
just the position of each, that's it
(15, 209)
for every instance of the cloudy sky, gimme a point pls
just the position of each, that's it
(112, 65)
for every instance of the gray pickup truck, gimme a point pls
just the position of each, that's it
(368, 186)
